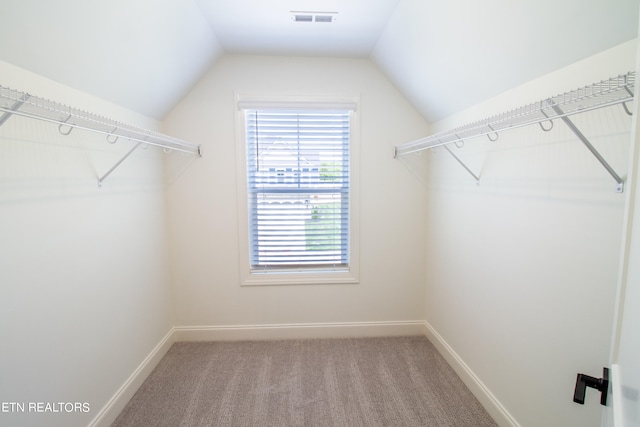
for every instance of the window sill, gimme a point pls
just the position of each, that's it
(300, 278)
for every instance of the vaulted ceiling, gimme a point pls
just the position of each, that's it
(444, 55)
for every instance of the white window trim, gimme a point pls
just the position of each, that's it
(249, 278)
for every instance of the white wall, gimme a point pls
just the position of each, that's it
(522, 268)
(84, 281)
(203, 201)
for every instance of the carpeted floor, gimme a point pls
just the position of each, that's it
(397, 381)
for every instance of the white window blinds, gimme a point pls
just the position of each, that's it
(298, 189)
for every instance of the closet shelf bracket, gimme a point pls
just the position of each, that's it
(13, 102)
(619, 181)
(463, 165)
(8, 112)
(117, 164)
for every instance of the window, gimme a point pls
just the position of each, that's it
(299, 204)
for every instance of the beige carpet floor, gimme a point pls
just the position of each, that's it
(396, 381)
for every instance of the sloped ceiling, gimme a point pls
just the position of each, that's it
(450, 54)
(444, 55)
(141, 54)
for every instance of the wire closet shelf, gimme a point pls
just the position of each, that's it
(616, 90)
(14, 102)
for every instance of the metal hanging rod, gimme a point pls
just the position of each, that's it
(13, 102)
(616, 90)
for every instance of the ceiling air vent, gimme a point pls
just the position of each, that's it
(298, 17)
(323, 18)
(327, 17)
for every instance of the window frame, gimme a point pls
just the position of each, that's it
(349, 275)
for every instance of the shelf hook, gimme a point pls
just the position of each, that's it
(63, 124)
(111, 134)
(546, 129)
(626, 109)
(550, 123)
(494, 131)
(459, 142)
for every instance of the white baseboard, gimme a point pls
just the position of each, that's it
(473, 383)
(302, 331)
(298, 331)
(245, 332)
(116, 404)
